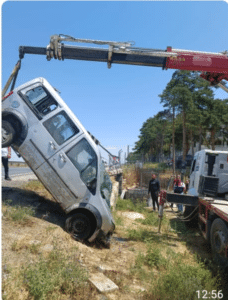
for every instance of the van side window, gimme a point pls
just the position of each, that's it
(60, 127)
(84, 159)
(40, 100)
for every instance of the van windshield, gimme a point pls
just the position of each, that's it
(106, 184)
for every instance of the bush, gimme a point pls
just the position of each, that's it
(56, 273)
(180, 281)
(154, 258)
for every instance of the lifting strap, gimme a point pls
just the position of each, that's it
(12, 78)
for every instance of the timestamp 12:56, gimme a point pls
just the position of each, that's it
(209, 295)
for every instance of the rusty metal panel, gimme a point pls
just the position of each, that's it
(56, 186)
(30, 154)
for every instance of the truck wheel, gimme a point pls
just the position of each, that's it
(8, 134)
(219, 240)
(79, 226)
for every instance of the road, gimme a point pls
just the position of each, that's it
(17, 171)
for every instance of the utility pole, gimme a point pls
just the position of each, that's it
(119, 153)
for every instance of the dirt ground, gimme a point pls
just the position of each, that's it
(47, 228)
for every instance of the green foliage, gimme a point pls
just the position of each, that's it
(19, 214)
(154, 258)
(190, 111)
(143, 235)
(127, 204)
(175, 279)
(118, 219)
(152, 137)
(57, 272)
(181, 281)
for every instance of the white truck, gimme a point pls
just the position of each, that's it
(207, 200)
(209, 172)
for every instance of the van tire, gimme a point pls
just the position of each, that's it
(219, 240)
(79, 226)
(8, 134)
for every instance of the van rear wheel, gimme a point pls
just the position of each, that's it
(8, 134)
(79, 226)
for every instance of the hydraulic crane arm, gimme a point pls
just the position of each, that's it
(213, 66)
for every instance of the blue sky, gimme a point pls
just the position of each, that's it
(111, 103)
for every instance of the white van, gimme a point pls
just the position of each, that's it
(38, 124)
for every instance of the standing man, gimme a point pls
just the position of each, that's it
(179, 188)
(154, 189)
(6, 155)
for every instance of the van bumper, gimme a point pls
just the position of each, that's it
(103, 237)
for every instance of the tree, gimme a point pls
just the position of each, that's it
(217, 117)
(153, 136)
(184, 94)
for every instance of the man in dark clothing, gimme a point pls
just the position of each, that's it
(6, 155)
(154, 189)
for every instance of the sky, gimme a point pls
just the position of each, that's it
(111, 103)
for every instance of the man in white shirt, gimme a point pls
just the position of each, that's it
(6, 155)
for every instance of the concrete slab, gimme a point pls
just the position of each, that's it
(133, 215)
(102, 283)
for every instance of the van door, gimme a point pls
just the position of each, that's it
(194, 176)
(71, 174)
(222, 172)
(77, 165)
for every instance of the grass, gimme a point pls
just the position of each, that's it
(181, 281)
(50, 277)
(118, 219)
(56, 273)
(158, 267)
(34, 185)
(128, 205)
(167, 275)
(37, 187)
(20, 214)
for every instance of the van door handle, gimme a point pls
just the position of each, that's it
(62, 157)
(52, 145)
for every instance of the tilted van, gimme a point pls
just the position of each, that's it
(39, 126)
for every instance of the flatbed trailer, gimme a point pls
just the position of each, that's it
(213, 224)
(212, 219)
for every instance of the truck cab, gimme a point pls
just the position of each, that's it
(39, 126)
(209, 169)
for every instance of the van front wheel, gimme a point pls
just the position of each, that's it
(79, 226)
(8, 134)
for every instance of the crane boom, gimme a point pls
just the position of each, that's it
(213, 66)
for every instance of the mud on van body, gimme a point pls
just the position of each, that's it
(39, 126)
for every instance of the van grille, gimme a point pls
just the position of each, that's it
(208, 186)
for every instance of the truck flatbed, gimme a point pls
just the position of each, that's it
(218, 206)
